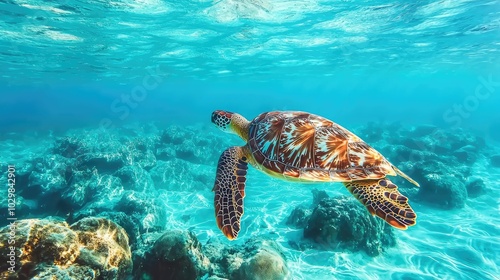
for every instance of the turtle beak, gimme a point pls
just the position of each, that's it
(214, 116)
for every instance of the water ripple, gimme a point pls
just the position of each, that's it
(246, 38)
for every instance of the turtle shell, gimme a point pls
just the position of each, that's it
(308, 147)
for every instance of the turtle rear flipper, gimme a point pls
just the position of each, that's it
(382, 198)
(229, 190)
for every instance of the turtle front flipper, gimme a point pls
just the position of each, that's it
(382, 198)
(229, 190)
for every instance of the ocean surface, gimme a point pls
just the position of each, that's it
(105, 111)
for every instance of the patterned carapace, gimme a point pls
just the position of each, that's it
(309, 147)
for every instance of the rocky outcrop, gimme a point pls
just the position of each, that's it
(92, 248)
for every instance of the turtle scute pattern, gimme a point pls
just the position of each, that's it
(310, 147)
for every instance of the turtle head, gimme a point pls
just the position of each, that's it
(222, 119)
(231, 122)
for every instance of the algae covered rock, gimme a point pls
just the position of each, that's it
(178, 174)
(139, 152)
(299, 217)
(104, 246)
(148, 213)
(105, 162)
(47, 176)
(265, 265)
(262, 260)
(340, 223)
(92, 150)
(196, 144)
(69, 147)
(440, 185)
(129, 223)
(466, 154)
(258, 258)
(106, 152)
(134, 177)
(174, 135)
(176, 255)
(476, 187)
(38, 242)
(93, 248)
(65, 273)
(495, 161)
(453, 139)
(443, 191)
(92, 190)
(423, 130)
(343, 223)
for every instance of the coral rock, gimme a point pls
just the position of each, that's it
(423, 130)
(495, 160)
(476, 187)
(441, 185)
(93, 248)
(180, 175)
(443, 191)
(104, 247)
(177, 254)
(466, 154)
(134, 178)
(103, 162)
(69, 147)
(345, 224)
(262, 261)
(299, 217)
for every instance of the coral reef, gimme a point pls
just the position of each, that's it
(344, 224)
(177, 174)
(133, 177)
(476, 187)
(440, 188)
(340, 223)
(440, 160)
(259, 258)
(125, 175)
(92, 248)
(176, 255)
(104, 246)
(299, 216)
(495, 161)
(262, 260)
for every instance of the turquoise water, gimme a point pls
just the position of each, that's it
(115, 77)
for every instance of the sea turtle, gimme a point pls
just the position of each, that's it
(300, 146)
